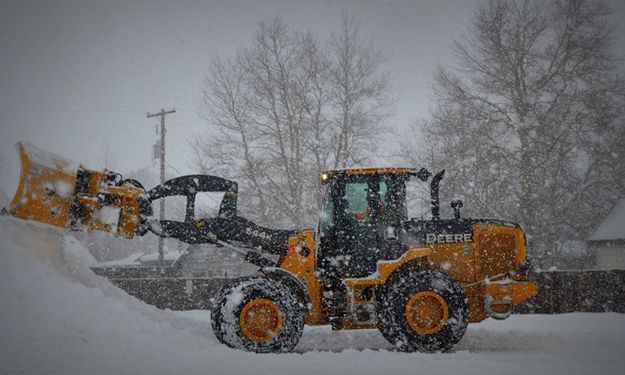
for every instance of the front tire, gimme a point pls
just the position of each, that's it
(424, 311)
(259, 315)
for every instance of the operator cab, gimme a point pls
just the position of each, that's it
(363, 215)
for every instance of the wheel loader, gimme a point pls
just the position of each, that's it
(367, 265)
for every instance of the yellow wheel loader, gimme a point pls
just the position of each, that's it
(367, 266)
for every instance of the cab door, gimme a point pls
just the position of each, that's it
(359, 211)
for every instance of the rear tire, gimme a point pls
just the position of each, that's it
(259, 315)
(424, 311)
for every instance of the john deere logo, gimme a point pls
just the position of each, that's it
(448, 238)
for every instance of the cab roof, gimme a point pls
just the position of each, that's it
(329, 174)
(372, 170)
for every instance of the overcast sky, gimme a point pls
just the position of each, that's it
(77, 77)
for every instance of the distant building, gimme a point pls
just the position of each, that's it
(608, 240)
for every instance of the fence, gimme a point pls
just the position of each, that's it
(577, 291)
(173, 294)
(559, 291)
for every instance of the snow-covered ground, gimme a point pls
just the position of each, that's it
(57, 317)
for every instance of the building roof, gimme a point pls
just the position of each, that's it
(613, 225)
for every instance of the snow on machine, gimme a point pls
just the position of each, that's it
(367, 266)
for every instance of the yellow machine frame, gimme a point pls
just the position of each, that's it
(478, 266)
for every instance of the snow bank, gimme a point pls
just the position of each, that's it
(57, 317)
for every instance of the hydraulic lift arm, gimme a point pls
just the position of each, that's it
(227, 226)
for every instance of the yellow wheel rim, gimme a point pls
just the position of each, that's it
(426, 312)
(260, 320)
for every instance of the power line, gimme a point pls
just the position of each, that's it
(65, 107)
(172, 167)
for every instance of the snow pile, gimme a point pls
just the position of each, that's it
(57, 317)
(49, 159)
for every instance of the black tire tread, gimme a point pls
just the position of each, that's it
(393, 302)
(225, 320)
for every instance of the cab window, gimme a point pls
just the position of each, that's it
(356, 196)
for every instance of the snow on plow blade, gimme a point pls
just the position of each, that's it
(59, 192)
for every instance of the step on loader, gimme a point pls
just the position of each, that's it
(367, 266)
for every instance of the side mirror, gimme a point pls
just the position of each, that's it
(390, 234)
(456, 204)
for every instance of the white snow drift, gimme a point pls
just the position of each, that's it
(57, 317)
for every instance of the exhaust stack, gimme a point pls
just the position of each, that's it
(436, 211)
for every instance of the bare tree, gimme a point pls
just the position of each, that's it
(532, 116)
(277, 117)
(359, 93)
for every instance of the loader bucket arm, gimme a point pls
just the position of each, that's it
(190, 185)
(227, 226)
(236, 228)
(58, 192)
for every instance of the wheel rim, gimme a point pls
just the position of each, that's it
(261, 320)
(426, 312)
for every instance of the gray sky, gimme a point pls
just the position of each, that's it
(77, 77)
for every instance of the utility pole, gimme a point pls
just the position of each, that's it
(161, 240)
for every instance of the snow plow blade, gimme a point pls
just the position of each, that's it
(59, 192)
(46, 187)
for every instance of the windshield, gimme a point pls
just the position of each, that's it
(359, 196)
